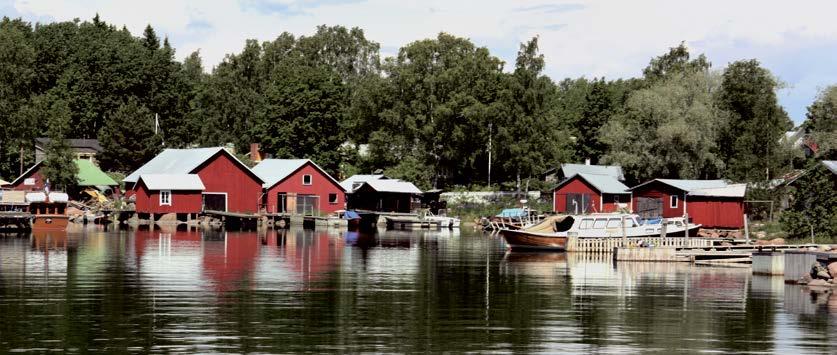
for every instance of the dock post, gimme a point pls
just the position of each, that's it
(746, 228)
(686, 232)
(663, 228)
(624, 234)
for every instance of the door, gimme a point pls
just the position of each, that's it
(649, 207)
(307, 205)
(215, 202)
(579, 203)
(281, 202)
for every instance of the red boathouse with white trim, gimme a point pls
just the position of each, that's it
(299, 187)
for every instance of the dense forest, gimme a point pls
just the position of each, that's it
(425, 115)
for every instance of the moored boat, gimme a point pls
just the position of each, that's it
(48, 210)
(554, 232)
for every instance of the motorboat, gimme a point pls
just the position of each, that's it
(444, 221)
(344, 219)
(48, 210)
(553, 232)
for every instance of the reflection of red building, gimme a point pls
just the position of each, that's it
(229, 263)
(312, 254)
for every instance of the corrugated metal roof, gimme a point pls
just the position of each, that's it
(605, 183)
(191, 182)
(275, 170)
(610, 170)
(349, 183)
(393, 185)
(90, 174)
(17, 181)
(179, 161)
(689, 185)
(831, 165)
(73, 143)
(732, 190)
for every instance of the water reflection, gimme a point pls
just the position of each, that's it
(166, 290)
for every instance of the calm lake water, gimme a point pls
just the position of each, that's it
(390, 291)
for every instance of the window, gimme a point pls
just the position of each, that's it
(165, 198)
(306, 179)
(673, 203)
(586, 223)
(614, 223)
(332, 198)
(599, 223)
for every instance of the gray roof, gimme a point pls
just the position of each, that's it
(831, 165)
(393, 185)
(190, 182)
(273, 171)
(178, 161)
(73, 143)
(604, 183)
(610, 170)
(731, 190)
(349, 183)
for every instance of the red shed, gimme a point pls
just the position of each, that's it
(229, 185)
(711, 203)
(30, 180)
(588, 193)
(299, 186)
(168, 193)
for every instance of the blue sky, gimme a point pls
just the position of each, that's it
(797, 40)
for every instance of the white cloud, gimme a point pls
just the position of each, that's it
(590, 38)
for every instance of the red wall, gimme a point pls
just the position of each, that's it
(222, 174)
(321, 186)
(660, 190)
(716, 212)
(181, 201)
(576, 186)
(39, 181)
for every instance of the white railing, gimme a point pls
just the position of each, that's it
(606, 245)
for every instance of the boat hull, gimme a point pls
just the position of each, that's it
(45, 222)
(522, 240)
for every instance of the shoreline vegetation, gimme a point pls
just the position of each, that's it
(426, 114)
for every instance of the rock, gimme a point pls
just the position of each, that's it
(761, 242)
(761, 235)
(819, 283)
(832, 269)
(777, 241)
(804, 280)
(820, 272)
(825, 248)
(736, 235)
(168, 218)
(72, 211)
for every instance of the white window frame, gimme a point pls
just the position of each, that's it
(310, 179)
(673, 201)
(336, 198)
(167, 200)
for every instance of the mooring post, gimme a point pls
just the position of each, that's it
(663, 228)
(746, 228)
(686, 231)
(624, 234)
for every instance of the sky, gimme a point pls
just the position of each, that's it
(796, 40)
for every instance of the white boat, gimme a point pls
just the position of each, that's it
(444, 221)
(552, 233)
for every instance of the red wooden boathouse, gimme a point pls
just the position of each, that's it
(588, 193)
(299, 186)
(229, 185)
(169, 193)
(711, 203)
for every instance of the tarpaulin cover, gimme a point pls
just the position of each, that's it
(513, 213)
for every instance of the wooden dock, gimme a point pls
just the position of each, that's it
(13, 220)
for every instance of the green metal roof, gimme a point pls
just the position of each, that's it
(91, 175)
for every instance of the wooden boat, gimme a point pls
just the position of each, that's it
(554, 232)
(49, 211)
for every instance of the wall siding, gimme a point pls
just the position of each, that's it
(716, 212)
(660, 190)
(576, 186)
(40, 180)
(181, 201)
(221, 174)
(320, 186)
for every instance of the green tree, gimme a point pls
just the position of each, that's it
(59, 167)
(17, 77)
(814, 204)
(751, 144)
(128, 139)
(670, 129)
(821, 122)
(528, 139)
(675, 62)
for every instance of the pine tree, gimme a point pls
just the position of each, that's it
(59, 167)
(128, 139)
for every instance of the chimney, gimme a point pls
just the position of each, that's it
(255, 154)
(587, 161)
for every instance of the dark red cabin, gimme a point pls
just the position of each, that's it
(168, 193)
(711, 203)
(299, 186)
(229, 185)
(589, 193)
